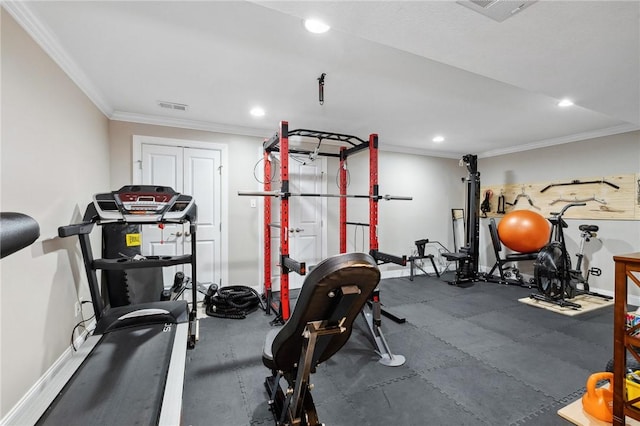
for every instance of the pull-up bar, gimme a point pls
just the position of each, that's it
(305, 194)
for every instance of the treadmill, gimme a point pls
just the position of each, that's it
(131, 369)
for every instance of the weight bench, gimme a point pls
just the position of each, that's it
(502, 262)
(332, 296)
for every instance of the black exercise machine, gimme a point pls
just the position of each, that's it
(466, 258)
(332, 296)
(503, 263)
(554, 276)
(131, 369)
(17, 231)
(420, 246)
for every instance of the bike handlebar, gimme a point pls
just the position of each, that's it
(564, 209)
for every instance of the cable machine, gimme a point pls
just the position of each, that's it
(466, 257)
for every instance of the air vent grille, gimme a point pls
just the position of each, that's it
(172, 105)
(498, 10)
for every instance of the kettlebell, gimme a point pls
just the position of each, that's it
(599, 402)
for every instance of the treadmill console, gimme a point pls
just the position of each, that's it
(143, 204)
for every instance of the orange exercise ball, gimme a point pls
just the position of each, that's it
(524, 231)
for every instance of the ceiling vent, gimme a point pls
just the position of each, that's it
(172, 105)
(498, 10)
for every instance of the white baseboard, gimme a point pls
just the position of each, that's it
(23, 412)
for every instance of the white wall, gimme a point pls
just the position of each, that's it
(605, 156)
(55, 154)
(435, 185)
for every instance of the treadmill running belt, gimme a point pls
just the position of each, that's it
(120, 383)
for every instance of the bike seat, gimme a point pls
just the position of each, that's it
(588, 228)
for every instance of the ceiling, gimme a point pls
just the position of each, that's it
(407, 70)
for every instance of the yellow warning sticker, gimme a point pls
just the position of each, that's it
(134, 240)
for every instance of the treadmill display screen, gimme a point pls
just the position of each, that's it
(143, 203)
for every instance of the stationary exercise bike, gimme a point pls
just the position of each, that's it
(553, 274)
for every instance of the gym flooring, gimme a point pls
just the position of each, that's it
(474, 356)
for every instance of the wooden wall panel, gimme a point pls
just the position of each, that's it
(604, 201)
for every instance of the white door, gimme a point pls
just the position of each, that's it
(163, 165)
(196, 172)
(306, 233)
(202, 172)
(306, 216)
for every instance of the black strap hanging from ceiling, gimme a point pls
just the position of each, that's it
(321, 88)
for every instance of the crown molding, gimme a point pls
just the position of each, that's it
(598, 133)
(418, 151)
(190, 124)
(20, 11)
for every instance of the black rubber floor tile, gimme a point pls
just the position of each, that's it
(213, 390)
(578, 352)
(488, 393)
(352, 370)
(422, 314)
(509, 325)
(424, 351)
(473, 362)
(335, 410)
(534, 365)
(597, 330)
(510, 292)
(468, 337)
(398, 291)
(472, 304)
(410, 402)
(541, 317)
(435, 288)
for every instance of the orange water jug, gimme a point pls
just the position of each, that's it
(599, 402)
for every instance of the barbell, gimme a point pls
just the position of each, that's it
(309, 194)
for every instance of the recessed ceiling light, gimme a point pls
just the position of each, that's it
(315, 26)
(565, 103)
(438, 139)
(257, 112)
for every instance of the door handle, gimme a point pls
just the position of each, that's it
(177, 234)
(296, 230)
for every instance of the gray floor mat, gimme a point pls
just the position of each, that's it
(475, 356)
(487, 392)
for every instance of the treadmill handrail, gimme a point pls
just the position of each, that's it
(143, 313)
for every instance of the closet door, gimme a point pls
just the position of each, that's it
(195, 172)
(202, 181)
